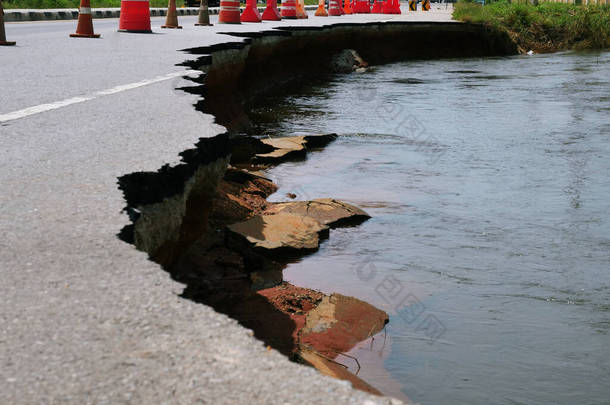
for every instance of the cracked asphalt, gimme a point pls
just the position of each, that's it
(85, 317)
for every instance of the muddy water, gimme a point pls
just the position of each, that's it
(488, 182)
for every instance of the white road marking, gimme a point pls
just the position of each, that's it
(15, 115)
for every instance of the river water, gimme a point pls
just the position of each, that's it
(488, 183)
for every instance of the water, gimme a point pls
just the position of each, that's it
(488, 183)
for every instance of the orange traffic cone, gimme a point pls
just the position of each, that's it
(301, 13)
(203, 19)
(84, 28)
(271, 13)
(377, 5)
(171, 21)
(334, 8)
(321, 11)
(135, 16)
(251, 13)
(3, 40)
(289, 9)
(229, 12)
(347, 7)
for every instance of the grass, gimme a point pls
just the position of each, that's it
(546, 27)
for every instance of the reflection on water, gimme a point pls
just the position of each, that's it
(488, 182)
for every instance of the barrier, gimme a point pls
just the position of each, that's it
(362, 7)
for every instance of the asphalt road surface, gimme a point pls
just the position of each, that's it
(85, 317)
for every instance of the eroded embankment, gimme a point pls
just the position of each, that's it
(207, 220)
(240, 74)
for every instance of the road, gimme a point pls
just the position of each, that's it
(86, 317)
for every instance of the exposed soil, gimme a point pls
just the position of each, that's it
(246, 283)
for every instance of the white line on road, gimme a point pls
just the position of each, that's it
(15, 115)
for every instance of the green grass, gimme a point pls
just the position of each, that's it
(76, 3)
(546, 27)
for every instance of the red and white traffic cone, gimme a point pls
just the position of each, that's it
(229, 12)
(289, 9)
(334, 8)
(135, 16)
(84, 28)
(3, 40)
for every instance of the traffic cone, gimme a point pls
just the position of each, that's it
(301, 13)
(84, 27)
(425, 5)
(347, 7)
(229, 12)
(135, 16)
(334, 8)
(3, 41)
(271, 13)
(396, 7)
(289, 9)
(204, 14)
(321, 11)
(171, 21)
(362, 7)
(377, 7)
(412, 5)
(391, 7)
(251, 13)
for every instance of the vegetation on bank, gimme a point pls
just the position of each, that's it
(546, 27)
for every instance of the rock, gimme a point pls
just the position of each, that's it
(335, 370)
(240, 195)
(319, 141)
(291, 195)
(347, 61)
(297, 225)
(338, 323)
(283, 231)
(284, 149)
(293, 147)
(265, 279)
(327, 211)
